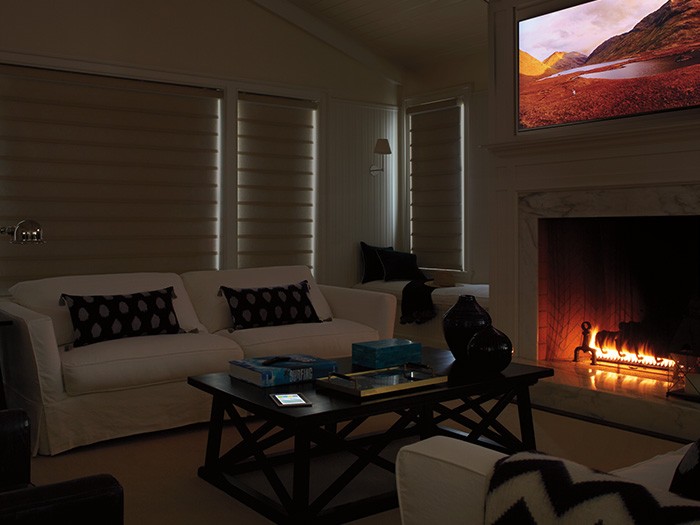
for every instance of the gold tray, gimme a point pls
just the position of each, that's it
(381, 381)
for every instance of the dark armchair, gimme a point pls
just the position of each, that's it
(87, 500)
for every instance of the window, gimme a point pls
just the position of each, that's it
(122, 174)
(276, 177)
(436, 185)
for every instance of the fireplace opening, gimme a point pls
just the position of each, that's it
(621, 290)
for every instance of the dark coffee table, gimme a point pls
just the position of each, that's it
(331, 425)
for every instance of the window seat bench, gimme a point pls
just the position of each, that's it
(428, 333)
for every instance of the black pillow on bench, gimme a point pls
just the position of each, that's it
(400, 266)
(372, 266)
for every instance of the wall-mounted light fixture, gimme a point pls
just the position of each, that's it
(24, 232)
(380, 148)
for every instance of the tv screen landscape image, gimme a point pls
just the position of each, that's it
(608, 59)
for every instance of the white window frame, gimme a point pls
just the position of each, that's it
(464, 95)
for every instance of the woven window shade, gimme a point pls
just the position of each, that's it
(436, 171)
(122, 174)
(276, 172)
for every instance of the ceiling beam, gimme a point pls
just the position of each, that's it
(321, 30)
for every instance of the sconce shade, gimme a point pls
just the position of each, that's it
(26, 231)
(382, 147)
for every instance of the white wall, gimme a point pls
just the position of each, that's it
(236, 41)
(231, 39)
(357, 206)
(233, 43)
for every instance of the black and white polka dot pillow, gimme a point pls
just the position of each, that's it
(270, 306)
(99, 318)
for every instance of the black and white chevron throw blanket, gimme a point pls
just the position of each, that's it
(530, 488)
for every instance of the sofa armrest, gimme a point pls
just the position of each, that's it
(375, 309)
(82, 501)
(31, 362)
(443, 480)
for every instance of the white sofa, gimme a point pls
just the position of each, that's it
(445, 480)
(82, 395)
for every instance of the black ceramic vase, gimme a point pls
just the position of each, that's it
(461, 322)
(489, 351)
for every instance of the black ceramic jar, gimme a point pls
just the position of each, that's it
(461, 322)
(489, 350)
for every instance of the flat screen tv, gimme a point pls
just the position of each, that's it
(608, 59)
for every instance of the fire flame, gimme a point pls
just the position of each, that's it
(606, 349)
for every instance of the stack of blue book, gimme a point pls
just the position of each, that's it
(281, 369)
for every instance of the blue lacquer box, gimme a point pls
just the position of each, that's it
(385, 353)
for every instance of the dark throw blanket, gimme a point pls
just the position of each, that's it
(416, 302)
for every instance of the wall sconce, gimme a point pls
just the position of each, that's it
(380, 148)
(24, 232)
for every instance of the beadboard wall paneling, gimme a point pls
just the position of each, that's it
(354, 205)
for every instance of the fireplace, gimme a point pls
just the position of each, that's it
(622, 291)
(640, 245)
(628, 168)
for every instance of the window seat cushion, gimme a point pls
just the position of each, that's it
(446, 296)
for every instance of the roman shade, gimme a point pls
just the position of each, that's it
(436, 183)
(276, 177)
(122, 174)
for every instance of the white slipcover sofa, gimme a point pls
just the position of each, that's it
(445, 480)
(120, 387)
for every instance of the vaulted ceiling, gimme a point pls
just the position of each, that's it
(404, 35)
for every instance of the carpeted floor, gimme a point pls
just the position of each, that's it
(159, 475)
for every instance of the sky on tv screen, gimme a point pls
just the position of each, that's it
(583, 27)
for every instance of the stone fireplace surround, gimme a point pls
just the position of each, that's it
(634, 166)
(616, 172)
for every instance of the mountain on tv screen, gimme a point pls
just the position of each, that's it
(608, 59)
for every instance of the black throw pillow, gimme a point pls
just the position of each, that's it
(686, 480)
(400, 266)
(372, 269)
(277, 305)
(98, 318)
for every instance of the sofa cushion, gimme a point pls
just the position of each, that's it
(529, 487)
(43, 296)
(331, 340)
(121, 364)
(98, 318)
(270, 306)
(686, 478)
(203, 288)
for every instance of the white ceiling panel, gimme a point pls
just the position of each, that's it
(411, 34)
